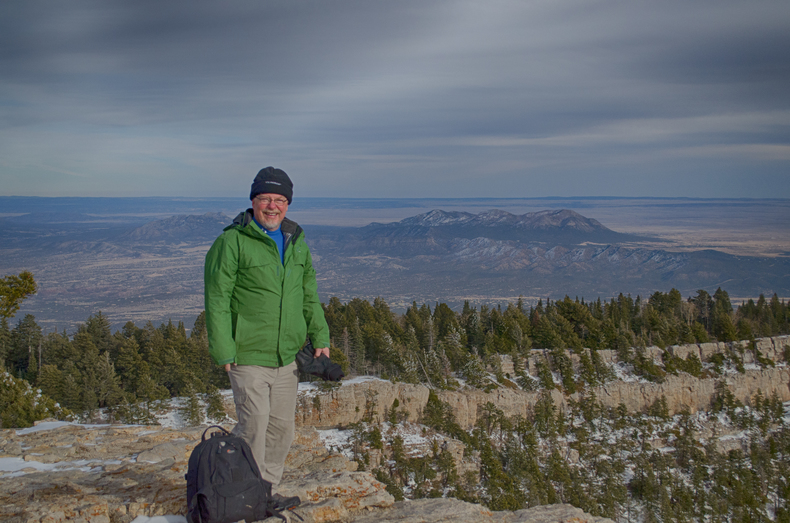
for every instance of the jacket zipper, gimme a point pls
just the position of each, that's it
(287, 243)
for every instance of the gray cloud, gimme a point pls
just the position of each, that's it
(362, 98)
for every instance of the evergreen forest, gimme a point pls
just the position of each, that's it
(600, 459)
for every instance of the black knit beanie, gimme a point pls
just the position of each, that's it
(273, 181)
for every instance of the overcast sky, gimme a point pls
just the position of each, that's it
(396, 99)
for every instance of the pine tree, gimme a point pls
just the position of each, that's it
(503, 491)
(150, 393)
(191, 411)
(21, 405)
(704, 306)
(24, 340)
(50, 381)
(85, 372)
(215, 405)
(337, 356)
(357, 349)
(71, 391)
(474, 372)
(390, 357)
(411, 370)
(454, 349)
(13, 290)
(129, 365)
(5, 341)
(98, 328)
(545, 412)
(444, 320)
(32, 367)
(545, 376)
(445, 465)
(435, 368)
(109, 392)
(58, 350)
(345, 344)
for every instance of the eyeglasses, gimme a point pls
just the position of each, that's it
(265, 200)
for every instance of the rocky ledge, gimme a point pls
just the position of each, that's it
(112, 474)
(326, 407)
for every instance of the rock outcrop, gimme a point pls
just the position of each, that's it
(455, 511)
(58, 472)
(687, 392)
(350, 403)
(112, 474)
(371, 398)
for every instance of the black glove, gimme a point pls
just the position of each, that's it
(321, 366)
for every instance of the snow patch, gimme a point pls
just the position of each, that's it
(19, 467)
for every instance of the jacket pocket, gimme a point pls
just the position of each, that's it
(294, 278)
(239, 330)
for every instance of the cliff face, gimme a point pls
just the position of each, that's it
(372, 398)
(357, 400)
(694, 394)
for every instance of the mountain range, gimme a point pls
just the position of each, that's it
(547, 253)
(140, 270)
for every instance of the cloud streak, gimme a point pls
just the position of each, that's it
(405, 99)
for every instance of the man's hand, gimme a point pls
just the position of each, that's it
(227, 367)
(324, 351)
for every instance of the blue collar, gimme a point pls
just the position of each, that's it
(278, 237)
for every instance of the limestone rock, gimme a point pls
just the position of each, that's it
(681, 392)
(684, 351)
(116, 488)
(350, 403)
(456, 511)
(431, 511)
(685, 391)
(656, 353)
(175, 450)
(59, 483)
(354, 490)
(331, 509)
(707, 350)
(780, 343)
(559, 513)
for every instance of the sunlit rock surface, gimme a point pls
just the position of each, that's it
(63, 472)
(112, 474)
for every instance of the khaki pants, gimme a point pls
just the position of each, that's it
(265, 400)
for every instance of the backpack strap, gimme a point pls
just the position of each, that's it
(226, 433)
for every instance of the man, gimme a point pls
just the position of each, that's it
(261, 303)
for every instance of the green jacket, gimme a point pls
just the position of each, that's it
(260, 310)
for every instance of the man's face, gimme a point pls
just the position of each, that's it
(269, 210)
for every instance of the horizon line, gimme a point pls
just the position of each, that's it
(424, 198)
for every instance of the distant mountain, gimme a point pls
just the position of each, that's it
(56, 217)
(452, 255)
(563, 219)
(561, 227)
(182, 228)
